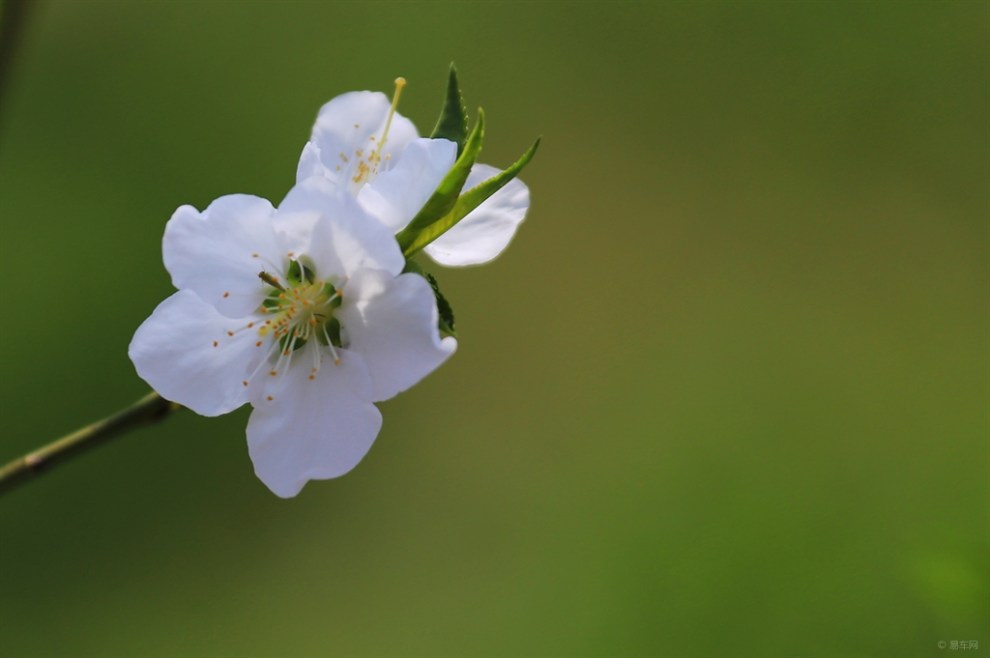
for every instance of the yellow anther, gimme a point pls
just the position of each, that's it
(270, 280)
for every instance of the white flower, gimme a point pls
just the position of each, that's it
(301, 311)
(361, 143)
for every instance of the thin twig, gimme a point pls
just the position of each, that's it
(150, 409)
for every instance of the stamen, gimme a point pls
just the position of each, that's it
(234, 332)
(336, 357)
(316, 365)
(264, 360)
(278, 362)
(290, 350)
(270, 280)
(270, 266)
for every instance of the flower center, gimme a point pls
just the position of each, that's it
(300, 310)
(367, 163)
(294, 312)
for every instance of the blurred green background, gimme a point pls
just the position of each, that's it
(725, 395)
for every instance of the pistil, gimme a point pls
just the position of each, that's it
(368, 169)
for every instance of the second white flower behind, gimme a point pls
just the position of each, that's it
(301, 311)
(364, 146)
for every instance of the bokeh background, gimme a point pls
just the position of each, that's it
(725, 395)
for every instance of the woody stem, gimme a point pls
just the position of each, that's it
(150, 409)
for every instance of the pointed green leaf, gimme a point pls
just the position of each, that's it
(453, 121)
(466, 203)
(445, 322)
(442, 202)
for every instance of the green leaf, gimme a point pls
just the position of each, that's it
(414, 267)
(453, 121)
(442, 202)
(446, 320)
(465, 204)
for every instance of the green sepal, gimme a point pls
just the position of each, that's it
(332, 328)
(284, 342)
(298, 271)
(445, 322)
(419, 232)
(466, 203)
(331, 293)
(453, 121)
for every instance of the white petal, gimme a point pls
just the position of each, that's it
(218, 253)
(347, 124)
(313, 429)
(310, 164)
(487, 230)
(185, 353)
(395, 196)
(341, 237)
(392, 323)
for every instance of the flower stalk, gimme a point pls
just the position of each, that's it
(149, 410)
